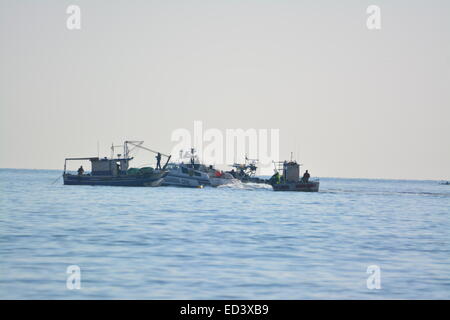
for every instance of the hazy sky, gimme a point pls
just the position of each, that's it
(349, 102)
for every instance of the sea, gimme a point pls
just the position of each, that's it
(355, 239)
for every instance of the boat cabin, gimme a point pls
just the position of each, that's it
(105, 166)
(291, 170)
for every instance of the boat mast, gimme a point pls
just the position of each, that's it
(192, 156)
(138, 144)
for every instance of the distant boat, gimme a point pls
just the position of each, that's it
(115, 171)
(289, 179)
(246, 172)
(445, 183)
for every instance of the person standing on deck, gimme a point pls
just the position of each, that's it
(306, 176)
(80, 170)
(158, 161)
(275, 179)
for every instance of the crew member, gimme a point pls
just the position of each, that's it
(275, 179)
(80, 170)
(158, 161)
(306, 176)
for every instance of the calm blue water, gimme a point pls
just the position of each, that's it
(224, 243)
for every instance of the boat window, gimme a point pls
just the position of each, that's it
(197, 174)
(184, 170)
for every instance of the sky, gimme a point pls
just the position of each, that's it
(348, 101)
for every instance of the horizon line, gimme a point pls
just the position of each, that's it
(359, 178)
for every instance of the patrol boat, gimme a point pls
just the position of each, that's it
(289, 180)
(189, 172)
(115, 171)
(182, 175)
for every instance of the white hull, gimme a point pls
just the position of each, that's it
(215, 182)
(181, 176)
(181, 182)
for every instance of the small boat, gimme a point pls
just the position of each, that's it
(220, 178)
(115, 171)
(290, 180)
(246, 172)
(217, 177)
(445, 183)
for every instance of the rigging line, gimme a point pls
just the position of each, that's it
(56, 180)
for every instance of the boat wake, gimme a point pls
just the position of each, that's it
(246, 186)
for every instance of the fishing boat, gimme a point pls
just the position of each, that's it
(115, 171)
(246, 172)
(289, 179)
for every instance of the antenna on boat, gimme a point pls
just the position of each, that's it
(192, 156)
